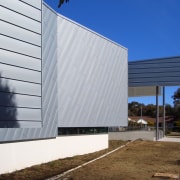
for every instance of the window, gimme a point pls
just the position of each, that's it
(82, 130)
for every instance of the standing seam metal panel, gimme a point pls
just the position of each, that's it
(49, 87)
(20, 85)
(156, 72)
(92, 78)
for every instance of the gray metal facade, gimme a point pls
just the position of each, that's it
(56, 73)
(20, 64)
(155, 72)
(92, 78)
(25, 63)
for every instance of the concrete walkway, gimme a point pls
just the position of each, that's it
(170, 139)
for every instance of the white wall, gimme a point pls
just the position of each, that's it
(19, 155)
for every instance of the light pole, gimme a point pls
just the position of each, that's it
(157, 113)
(164, 113)
(141, 116)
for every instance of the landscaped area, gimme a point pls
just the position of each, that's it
(138, 160)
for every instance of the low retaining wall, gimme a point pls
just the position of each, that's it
(132, 135)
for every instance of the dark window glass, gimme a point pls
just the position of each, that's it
(82, 130)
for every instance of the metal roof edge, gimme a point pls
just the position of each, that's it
(50, 8)
(152, 59)
(84, 27)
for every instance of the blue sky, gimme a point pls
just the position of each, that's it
(148, 28)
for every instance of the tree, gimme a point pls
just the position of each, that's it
(150, 110)
(169, 110)
(62, 2)
(134, 108)
(176, 98)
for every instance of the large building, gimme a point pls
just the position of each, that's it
(61, 86)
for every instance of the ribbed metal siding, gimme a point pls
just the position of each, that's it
(155, 72)
(92, 78)
(20, 82)
(49, 74)
(49, 86)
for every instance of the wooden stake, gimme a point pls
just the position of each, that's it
(166, 175)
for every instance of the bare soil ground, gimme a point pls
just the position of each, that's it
(139, 160)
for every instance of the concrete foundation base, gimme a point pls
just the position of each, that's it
(19, 155)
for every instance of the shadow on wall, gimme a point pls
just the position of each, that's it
(8, 111)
